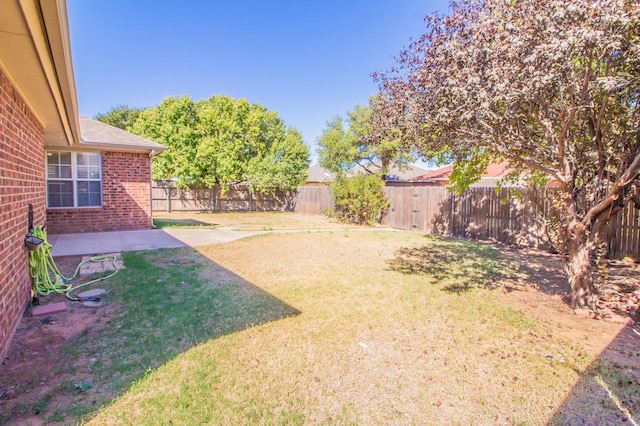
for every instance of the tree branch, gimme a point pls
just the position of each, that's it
(598, 131)
(615, 192)
(534, 166)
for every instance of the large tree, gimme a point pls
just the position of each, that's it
(221, 140)
(351, 141)
(121, 116)
(550, 86)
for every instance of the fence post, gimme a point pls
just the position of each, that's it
(168, 189)
(452, 224)
(212, 199)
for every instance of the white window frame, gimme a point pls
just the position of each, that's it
(74, 178)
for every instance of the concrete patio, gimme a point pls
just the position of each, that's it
(92, 243)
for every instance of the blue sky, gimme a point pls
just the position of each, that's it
(308, 60)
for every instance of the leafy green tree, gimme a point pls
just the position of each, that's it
(336, 153)
(173, 123)
(221, 140)
(551, 86)
(120, 116)
(350, 142)
(283, 167)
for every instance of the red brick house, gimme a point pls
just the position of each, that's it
(111, 172)
(77, 174)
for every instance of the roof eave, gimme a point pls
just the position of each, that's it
(54, 15)
(152, 150)
(36, 55)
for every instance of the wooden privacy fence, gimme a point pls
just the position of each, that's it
(313, 200)
(307, 199)
(509, 217)
(165, 197)
(480, 213)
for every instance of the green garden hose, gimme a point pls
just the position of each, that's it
(48, 279)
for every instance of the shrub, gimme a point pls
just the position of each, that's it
(360, 199)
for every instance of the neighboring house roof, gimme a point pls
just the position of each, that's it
(497, 170)
(438, 174)
(318, 174)
(405, 173)
(396, 173)
(35, 55)
(494, 172)
(101, 135)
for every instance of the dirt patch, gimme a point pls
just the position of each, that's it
(544, 292)
(31, 375)
(33, 380)
(592, 334)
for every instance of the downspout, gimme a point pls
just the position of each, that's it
(151, 154)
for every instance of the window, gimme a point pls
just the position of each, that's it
(74, 179)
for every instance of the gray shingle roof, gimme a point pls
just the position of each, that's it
(396, 173)
(404, 173)
(96, 133)
(319, 174)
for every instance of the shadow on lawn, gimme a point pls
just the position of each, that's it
(463, 265)
(607, 391)
(164, 303)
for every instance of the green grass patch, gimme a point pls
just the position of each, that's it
(182, 223)
(167, 302)
(245, 221)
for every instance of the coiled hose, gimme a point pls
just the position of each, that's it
(48, 279)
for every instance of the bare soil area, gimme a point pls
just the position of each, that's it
(545, 293)
(32, 375)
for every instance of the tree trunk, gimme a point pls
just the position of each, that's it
(577, 238)
(578, 268)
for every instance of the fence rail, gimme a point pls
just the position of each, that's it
(165, 197)
(480, 213)
(313, 200)
(509, 217)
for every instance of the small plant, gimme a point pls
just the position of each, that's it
(56, 417)
(81, 387)
(360, 199)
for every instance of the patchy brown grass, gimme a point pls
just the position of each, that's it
(256, 221)
(372, 345)
(378, 328)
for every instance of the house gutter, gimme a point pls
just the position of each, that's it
(99, 146)
(49, 28)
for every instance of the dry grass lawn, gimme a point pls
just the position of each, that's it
(335, 327)
(256, 221)
(371, 344)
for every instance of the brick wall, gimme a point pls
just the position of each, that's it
(21, 183)
(126, 199)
